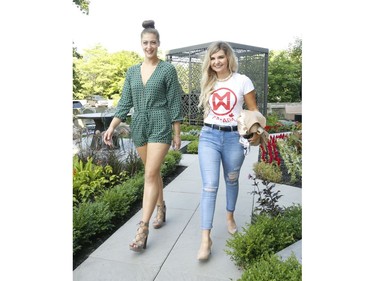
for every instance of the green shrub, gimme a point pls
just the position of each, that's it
(120, 199)
(295, 139)
(293, 215)
(168, 165)
(192, 147)
(135, 185)
(269, 172)
(272, 119)
(191, 133)
(189, 137)
(271, 267)
(187, 128)
(267, 235)
(89, 220)
(130, 188)
(291, 152)
(90, 180)
(171, 161)
(177, 155)
(275, 125)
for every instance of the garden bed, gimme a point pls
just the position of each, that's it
(97, 241)
(280, 161)
(287, 178)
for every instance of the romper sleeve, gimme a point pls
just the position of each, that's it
(174, 92)
(126, 101)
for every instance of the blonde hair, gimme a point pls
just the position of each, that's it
(209, 76)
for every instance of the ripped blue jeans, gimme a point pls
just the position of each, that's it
(216, 147)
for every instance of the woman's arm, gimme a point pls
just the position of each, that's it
(251, 104)
(176, 135)
(250, 101)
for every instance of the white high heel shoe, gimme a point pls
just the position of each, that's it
(204, 253)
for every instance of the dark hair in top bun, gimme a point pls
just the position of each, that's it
(149, 27)
(148, 24)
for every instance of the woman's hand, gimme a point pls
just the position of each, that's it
(254, 138)
(107, 137)
(176, 142)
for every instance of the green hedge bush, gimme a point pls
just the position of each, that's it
(188, 137)
(266, 236)
(272, 268)
(171, 161)
(121, 198)
(91, 219)
(192, 147)
(191, 133)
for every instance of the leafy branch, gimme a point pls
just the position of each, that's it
(267, 198)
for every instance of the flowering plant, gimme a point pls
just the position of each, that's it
(282, 155)
(270, 153)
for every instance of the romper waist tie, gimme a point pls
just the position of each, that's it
(146, 113)
(222, 128)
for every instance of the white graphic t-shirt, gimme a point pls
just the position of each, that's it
(227, 100)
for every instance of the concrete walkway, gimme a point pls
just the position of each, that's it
(171, 250)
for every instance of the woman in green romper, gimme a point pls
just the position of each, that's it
(152, 88)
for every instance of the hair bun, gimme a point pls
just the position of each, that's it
(148, 24)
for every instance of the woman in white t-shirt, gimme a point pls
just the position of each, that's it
(223, 95)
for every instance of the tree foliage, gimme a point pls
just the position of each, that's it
(100, 72)
(76, 83)
(96, 71)
(285, 74)
(83, 5)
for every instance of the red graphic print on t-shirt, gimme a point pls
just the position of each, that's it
(223, 101)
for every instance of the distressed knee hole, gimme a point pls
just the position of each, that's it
(233, 176)
(210, 189)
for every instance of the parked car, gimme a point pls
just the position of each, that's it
(96, 100)
(77, 104)
(77, 107)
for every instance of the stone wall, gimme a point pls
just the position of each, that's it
(287, 111)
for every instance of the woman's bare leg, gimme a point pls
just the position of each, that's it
(160, 200)
(152, 155)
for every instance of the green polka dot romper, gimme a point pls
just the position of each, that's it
(156, 105)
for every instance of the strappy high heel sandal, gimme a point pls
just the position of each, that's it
(161, 212)
(140, 241)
